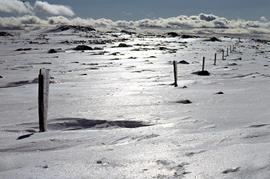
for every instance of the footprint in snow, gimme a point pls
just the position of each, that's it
(190, 154)
(179, 170)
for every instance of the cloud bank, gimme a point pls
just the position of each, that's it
(20, 7)
(53, 9)
(15, 6)
(204, 24)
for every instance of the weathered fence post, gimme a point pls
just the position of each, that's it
(175, 73)
(222, 54)
(43, 98)
(227, 51)
(215, 59)
(203, 63)
(230, 49)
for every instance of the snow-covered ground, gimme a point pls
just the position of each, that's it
(114, 113)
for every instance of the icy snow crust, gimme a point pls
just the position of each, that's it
(113, 112)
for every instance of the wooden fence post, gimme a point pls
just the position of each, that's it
(222, 54)
(230, 49)
(203, 63)
(43, 98)
(175, 73)
(227, 51)
(215, 59)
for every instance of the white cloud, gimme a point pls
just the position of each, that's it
(21, 23)
(53, 9)
(263, 19)
(198, 24)
(15, 6)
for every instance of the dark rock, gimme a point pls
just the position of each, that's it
(97, 48)
(185, 101)
(23, 49)
(213, 39)
(127, 32)
(183, 62)
(220, 92)
(163, 48)
(201, 73)
(261, 41)
(24, 136)
(124, 45)
(132, 58)
(72, 27)
(83, 47)
(5, 34)
(115, 59)
(1, 76)
(99, 162)
(258, 125)
(33, 42)
(115, 53)
(231, 170)
(184, 36)
(45, 166)
(52, 51)
(65, 42)
(172, 34)
(232, 64)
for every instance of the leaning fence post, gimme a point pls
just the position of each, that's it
(203, 63)
(215, 59)
(175, 73)
(43, 98)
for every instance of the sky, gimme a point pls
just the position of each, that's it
(140, 9)
(197, 16)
